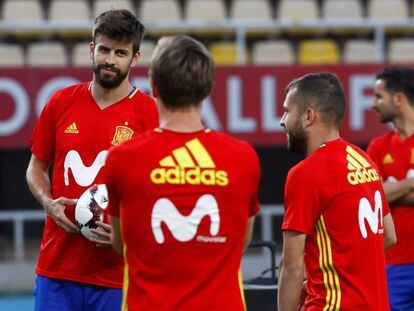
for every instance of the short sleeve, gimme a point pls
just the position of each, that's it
(111, 182)
(42, 142)
(302, 200)
(254, 206)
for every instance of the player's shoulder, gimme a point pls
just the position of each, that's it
(229, 142)
(69, 91)
(382, 139)
(140, 98)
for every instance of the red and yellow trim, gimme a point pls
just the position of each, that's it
(240, 277)
(125, 284)
(330, 275)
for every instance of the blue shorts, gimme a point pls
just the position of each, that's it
(400, 280)
(54, 294)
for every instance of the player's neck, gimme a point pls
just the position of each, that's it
(183, 120)
(106, 97)
(319, 138)
(405, 125)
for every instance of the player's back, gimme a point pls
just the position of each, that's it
(185, 201)
(345, 254)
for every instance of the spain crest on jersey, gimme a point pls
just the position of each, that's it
(122, 133)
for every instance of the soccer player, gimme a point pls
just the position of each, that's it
(182, 198)
(394, 155)
(75, 130)
(337, 220)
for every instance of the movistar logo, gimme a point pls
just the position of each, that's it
(360, 170)
(190, 164)
(184, 228)
(372, 217)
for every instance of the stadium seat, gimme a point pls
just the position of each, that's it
(11, 55)
(100, 6)
(47, 54)
(360, 51)
(152, 11)
(22, 11)
(224, 53)
(334, 10)
(322, 51)
(272, 52)
(79, 11)
(401, 51)
(251, 9)
(205, 10)
(388, 9)
(146, 49)
(297, 10)
(80, 55)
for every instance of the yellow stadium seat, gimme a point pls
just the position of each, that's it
(251, 9)
(101, 6)
(224, 53)
(272, 52)
(11, 55)
(322, 51)
(79, 11)
(205, 10)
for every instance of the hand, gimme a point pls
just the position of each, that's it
(56, 210)
(104, 232)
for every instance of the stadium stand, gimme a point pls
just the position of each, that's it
(79, 11)
(22, 11)
(360, 51)
(334, 10)
(385, 9)
(401, 51)
(159, 11)
(11, 55)
(80, 55)
(297, 10)
(272, 52)
(146, 49)
(224, 53)
(47, 54)
(249, 10)
(205, 10)
(100, 6)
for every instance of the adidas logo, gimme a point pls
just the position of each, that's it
(191, 165)
(360, 170)
(72, 129)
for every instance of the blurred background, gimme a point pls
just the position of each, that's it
(259, 46)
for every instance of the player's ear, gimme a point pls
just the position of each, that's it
(154, 89)
(91, 49)
(309, 116)
(399, 99)
(135, 59)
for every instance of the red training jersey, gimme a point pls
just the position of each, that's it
(183, 200)
(395, 160)
(75, 133)
(335, 196)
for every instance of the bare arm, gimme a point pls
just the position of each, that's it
(116, 237)
(407, 200)
(249, 232)
(291, 271)
(39, 184)
(389, 232)
(396, 191)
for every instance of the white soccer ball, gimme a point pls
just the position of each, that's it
(90, 208)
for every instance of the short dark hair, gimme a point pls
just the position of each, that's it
(398, 79)
(183, 71)
(322, 91)
(119, 25)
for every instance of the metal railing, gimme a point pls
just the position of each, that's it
(18, 219)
